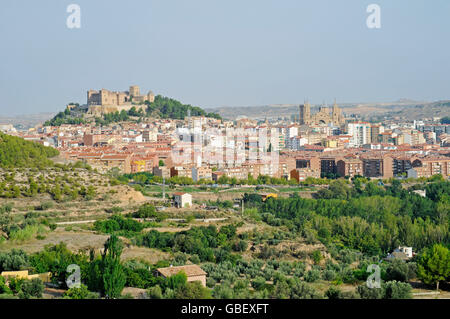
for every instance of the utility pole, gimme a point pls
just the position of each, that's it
(164, 188)
(242, 207)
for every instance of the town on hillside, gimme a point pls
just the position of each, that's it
(314, 145)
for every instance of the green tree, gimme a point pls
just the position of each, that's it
(399, 270)
(434, 265)
(113, 273)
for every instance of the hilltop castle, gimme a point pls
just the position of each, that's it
(104, 101)
(324, 116)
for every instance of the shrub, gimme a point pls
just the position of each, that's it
(316, 257)
(45, 206)
(155, 292)
(397, 270)
(333, 293)
(4, 289)
(259, 283)
(329, 275)
(80, 293)
(31, 288)
(397, 290)
(16, 259)
(312, 275)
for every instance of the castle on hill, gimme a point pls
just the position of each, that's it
(105, 101)
(324, 116)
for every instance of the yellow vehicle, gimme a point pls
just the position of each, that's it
(266, 196)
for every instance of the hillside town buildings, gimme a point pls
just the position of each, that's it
(323, 144)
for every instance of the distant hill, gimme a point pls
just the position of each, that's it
(25, 121)
(424, 110)
(403, 109)
(17, 152)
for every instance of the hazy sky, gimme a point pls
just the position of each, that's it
(223, 52)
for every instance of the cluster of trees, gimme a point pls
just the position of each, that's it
(119, 225)
(169, 108)
(145, 178)
(22, 228)
(114, 117)
(290, 280)
(208, 243)
(373, 219)
(59, 188)
(106, 275)
(17, 152)
(101, 275)
(261, 180)
(21, 288)
(64, 118)
(149, 211)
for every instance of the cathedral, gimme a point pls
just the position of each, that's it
(324, 116)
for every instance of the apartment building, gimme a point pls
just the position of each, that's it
(378, 167)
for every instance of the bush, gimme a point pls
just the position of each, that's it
(45, 206)
(333, 293)
(114, 210)
(145, 211)
(329, 275)
(195, 259)
(4, 289)
(118, 223)
(301, 290)
(241, 245)
(16, 259)
(155, 292)
(316, 257)
(312, 275)
(192, 290)
(80, 293)
(31, 289)
(368, 293)
(259, 283)
(27, 233)
(397, 290)
(397, 270)
(389, 290)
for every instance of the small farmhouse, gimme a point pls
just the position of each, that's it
(403, 253)
(23, 274)
(182, 200)
(193, 273)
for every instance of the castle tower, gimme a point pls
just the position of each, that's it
(151, 97)
(134, 90)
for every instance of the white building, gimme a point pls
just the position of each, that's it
(295, 143)
(182, 200)
(360, 133)
(401, 252)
